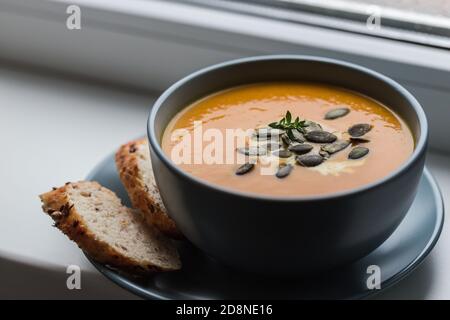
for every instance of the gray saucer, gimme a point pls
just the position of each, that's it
(203, 278)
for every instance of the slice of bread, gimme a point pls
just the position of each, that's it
(136, 172)
(111, 233)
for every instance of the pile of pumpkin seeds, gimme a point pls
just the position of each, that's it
(290, 138)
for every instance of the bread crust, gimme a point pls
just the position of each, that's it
(152, 211)
(58, 205)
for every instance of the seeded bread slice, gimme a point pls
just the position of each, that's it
(94, 218)
(136, 172)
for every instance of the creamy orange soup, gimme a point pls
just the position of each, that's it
(254, 106)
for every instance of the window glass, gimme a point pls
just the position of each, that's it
(424, 22)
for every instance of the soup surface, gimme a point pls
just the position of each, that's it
(389, 141)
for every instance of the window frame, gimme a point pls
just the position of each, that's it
(342, 15)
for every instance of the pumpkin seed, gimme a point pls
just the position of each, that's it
(320, 137)
(336, 113)
(312, 126)
(301, 148)
(309, 160)
(287, 141)
(335, 146)
(297, 136)
(358, 152)
(282, 153)
(284, 171)
(267, 133)
(271, 145)
(358, 140)
(252, 151)
(359, 129)
(290, 134)
(245, 168)
(324, 154)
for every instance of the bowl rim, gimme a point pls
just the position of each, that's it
(418, 150)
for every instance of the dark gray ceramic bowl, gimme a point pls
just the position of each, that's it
(285, 236)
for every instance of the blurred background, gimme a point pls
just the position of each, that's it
(77, 79)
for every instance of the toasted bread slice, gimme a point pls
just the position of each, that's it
(136, 172)
(111, 233)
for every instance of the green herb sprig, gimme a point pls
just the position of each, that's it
(288, 125)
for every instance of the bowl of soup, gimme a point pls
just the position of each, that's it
(287, 165)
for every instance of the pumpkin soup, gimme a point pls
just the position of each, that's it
(299, 139)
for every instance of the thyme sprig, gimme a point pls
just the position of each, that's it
(288, 125)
